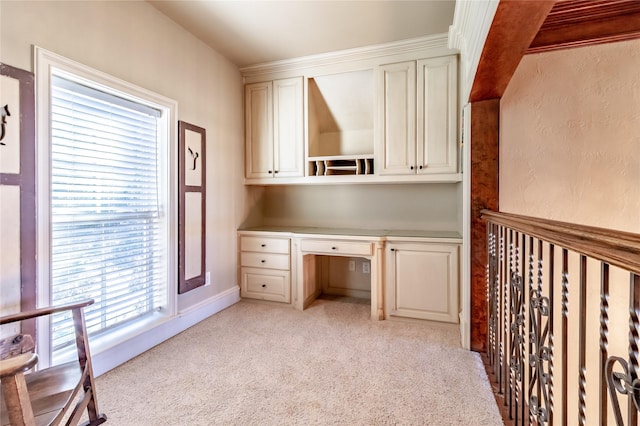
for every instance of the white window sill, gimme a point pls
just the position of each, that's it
(112, 338)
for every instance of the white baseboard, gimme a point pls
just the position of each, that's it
(116, 355)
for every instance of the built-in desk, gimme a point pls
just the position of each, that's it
(413, 273)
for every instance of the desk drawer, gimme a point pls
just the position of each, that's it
(264, 244)
(265, 260)
(266, 285)
(342, 248)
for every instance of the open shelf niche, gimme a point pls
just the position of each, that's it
(340, 124)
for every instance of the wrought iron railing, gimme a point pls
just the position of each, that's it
(563, 307)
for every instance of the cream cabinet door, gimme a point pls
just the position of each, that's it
(417, 117)
(288, 153)
(422, 281)
(258, 115)
(397, 118)
(274, 129)
(437, 115)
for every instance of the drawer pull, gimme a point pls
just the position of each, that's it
(263, 261)
(264, 285)
(263, 245)
(334, 248)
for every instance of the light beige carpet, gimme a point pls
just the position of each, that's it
(256, 364)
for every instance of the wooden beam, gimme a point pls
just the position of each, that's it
(485, 129)
(514, 27)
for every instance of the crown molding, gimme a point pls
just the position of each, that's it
(468, 33)
(574, 23)
(435, 44)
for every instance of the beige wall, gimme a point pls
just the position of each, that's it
(570, 137)
(391, 206)
(135, 42)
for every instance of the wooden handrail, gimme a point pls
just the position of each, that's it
(21, 316)
(617, 248)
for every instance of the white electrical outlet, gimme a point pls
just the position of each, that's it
(207, 278)
(365, 268)
(352, 265)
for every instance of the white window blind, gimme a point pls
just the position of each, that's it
(107, 219)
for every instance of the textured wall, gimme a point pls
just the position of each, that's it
(570, 151)
(570, 137)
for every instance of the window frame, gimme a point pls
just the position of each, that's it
(46, 64)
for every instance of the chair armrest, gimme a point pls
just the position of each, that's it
(21, 316)
(17, 364)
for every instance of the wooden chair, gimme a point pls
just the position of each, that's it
(54, 395)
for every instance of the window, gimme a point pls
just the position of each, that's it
(110, 204)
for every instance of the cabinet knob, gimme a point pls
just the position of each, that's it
(262, 261)
(411, 167)
(264, 285)
(275, 171)
(420, 167)
(334, 248)
(263, 245)
(393, 249)
(270, 172)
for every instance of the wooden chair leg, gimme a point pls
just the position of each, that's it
(84, 358)
(14, 391)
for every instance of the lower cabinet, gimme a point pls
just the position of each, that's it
(265, 267)
(416, 277)
(422, 281)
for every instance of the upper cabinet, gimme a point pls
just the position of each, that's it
(397, 118)
(417, 117)
(378, 115)
(274, 129)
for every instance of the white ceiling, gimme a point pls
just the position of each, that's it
(254, 32)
